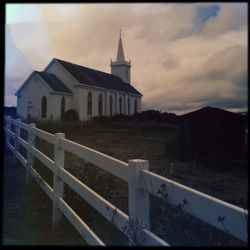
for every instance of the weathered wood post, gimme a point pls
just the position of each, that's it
(30, 157)
(57, 182)
(139, 206)
(14, 144)
(5, 130)
(8, 129)
(17, 134)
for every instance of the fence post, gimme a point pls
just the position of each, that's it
(30, 157)
(57, 182)
(139, 206)
(8, 129)
(5, 131)
(17, 134)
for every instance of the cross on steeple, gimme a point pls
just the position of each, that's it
(120, 32)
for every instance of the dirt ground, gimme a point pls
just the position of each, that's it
(27, 212)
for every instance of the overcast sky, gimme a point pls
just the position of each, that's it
(184, 56)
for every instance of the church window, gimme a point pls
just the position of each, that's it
(44, 107)
(100, 105)
(29, 109)
(120, 104)
(111, 105)
(128, 106)
(62, 106)
(135, 106)
(89, 104)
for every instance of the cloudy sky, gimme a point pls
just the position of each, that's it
(184, 56)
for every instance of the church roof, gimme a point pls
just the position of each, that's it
(97, 78)
(54, 82)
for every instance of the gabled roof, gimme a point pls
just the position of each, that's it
(24, 83)
(54, 82)
(97, 78)
(206, 114)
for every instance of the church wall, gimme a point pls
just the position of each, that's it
(56, 105)
(123, 71)
(118, 103)
(59, 71)
(95, 97)
(113, 94)
(31, 95)
(132, 99)
(115, 105)
(82, 101)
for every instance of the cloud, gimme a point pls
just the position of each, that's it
(216, 81)
(32, 39)
(170, 62)
(17, 67)
(183, 56)
(230, 18)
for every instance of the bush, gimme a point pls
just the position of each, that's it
(70, 115)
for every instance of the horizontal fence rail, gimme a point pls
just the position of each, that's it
(44, 185)
(44, 135)
(43, 158)
(141, 183)
(198, 204)
(107, 163)
(104, 207)
(79, 224)
(23, 142)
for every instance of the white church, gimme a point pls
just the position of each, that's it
(64, 85)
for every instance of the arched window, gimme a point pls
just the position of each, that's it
(135, 106)
(111, 105)
(89, 104)
(62, 106)
(128, 106)
(120, 104)
(44, 107)
(100, 105)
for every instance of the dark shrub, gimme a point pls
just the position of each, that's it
(70, 115)
(155, 116)
(10, 111)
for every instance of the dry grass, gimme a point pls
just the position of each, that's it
(158, 145)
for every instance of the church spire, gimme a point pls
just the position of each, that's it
(120, 54)
(121, 67)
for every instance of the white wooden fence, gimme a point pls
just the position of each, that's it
(141, 183)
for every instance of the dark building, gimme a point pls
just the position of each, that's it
(212, 131)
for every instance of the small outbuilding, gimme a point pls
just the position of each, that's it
(212, 131)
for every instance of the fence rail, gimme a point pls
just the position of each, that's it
(141, 183)
(107, 163)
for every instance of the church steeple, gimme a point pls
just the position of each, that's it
(121, 67)
(120, 54)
